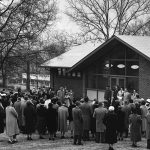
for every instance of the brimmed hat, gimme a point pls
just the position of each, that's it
(111, 108)
(148, 100)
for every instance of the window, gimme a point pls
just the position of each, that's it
(118, 67)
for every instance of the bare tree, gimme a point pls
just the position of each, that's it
(21, 23)
(100, 19)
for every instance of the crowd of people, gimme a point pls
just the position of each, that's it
(121, 114)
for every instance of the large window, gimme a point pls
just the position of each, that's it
(118, 67)
(132, 68)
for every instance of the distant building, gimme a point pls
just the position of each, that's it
(87, 70)
(37, 80)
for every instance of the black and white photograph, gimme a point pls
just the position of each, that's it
(74, 74)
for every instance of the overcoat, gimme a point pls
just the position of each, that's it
(41, 118)
(99, 114)
(23, 105)
(121, 120)
(62, 118)
(135, 128)
(148, 126)
(11, 121)
(77, 120)
(110, 121)
(30, 117)
(2, 117)
(17, 106)
(51, 119)
(144, 112)
(86, 113)
(127, 111)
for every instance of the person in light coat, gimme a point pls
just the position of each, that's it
(12, 129)
(62, 119)
(148, 128)
(144, 112)
(99, 114)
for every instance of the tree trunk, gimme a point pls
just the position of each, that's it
(4, 79)
(28, 76)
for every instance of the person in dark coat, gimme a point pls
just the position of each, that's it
(78, 123)
(51, 118)
(135, 128)
(30, 119)
(108, 95)
(70, 118)
(114, 93)
(41, 118)
(110, 121)
(2, 117)
(120, 127)
(87, 114)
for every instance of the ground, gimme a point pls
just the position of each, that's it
(63, 144)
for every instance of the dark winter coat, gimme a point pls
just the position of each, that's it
(2, 117)
(110, 121)
(77, 120)
(51, 118)
(121, 119)
(87, 114)
(41, 118)
(70, 118)
(30, 117)
(135, 128)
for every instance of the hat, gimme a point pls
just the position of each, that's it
(111, 108)
(148, 100)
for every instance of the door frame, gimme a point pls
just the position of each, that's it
(117, 80)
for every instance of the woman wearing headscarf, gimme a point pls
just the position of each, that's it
(12, 129)
(30, 119)
(110, 121)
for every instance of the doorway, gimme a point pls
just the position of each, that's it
(120, 81)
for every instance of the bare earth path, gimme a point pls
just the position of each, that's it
(63, 144)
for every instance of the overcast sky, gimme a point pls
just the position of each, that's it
(64, 23)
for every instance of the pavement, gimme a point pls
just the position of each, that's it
(63, 144)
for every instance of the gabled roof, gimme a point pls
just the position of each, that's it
(71, 57)
(78, 54)
(141, 44)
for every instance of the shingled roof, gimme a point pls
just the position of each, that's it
(77, 54)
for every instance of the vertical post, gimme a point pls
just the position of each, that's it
(83, 81)
(28, 76)
(37, 82)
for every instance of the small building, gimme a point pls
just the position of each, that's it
(87, 69)
(37, 80)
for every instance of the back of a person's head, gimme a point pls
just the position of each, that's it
(130, 100)
(86, 99)
(77, 103)
(137, 96)
(133, 110)
(50, 105)
(143, 102)
(100, 104)
(125, 102)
